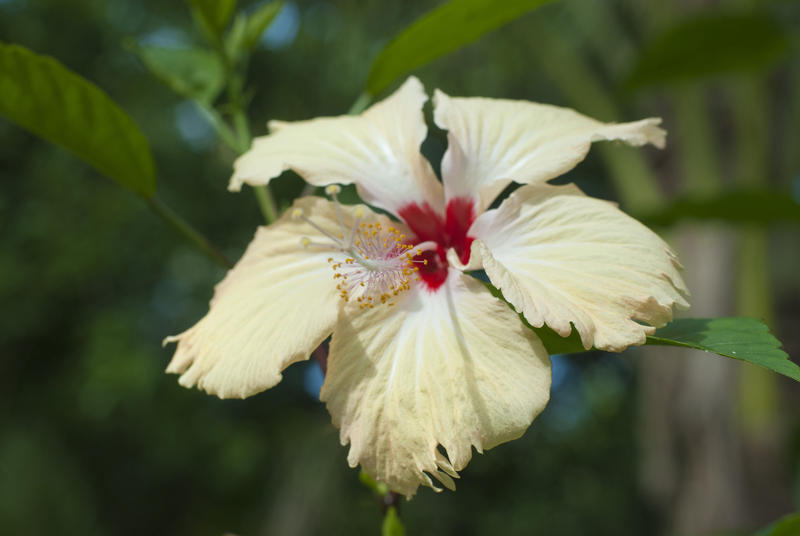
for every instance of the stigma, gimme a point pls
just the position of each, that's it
(372, 264)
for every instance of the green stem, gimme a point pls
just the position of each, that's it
(222, 128)
(266, 203)
(239, 138)
(189, 232)
(360, 104)
(392, 526)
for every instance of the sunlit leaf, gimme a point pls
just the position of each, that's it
(191, 72)
(391, 524)
(753, 206)
(41, 95)
(786, 526)
(213, 15)
(710, 44)
(440, 31)
(746, 339)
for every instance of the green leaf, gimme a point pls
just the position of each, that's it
(440, 31)
(259, 20)
(710, 44)
(191, 72)
(745, 206)
(41, 95)
(212, 15)
(234, 40)
(786, 526)
(391, 523)
(746, 339)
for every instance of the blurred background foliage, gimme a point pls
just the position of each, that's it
(96, 439)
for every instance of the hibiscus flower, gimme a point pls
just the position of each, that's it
(425, 363)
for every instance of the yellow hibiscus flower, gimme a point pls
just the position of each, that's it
(424, 362)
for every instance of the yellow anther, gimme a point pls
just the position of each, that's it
(359, 212)
(333, 189)
(297, 213)
(305, 241)
(330, 259)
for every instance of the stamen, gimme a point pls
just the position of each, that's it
(333, 191)
(373, 264)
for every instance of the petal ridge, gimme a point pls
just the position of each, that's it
(451, 370)
(378, 151)
(493, 142)
(272, 309)
(568, 260)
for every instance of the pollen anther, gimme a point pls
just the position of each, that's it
(376, 262)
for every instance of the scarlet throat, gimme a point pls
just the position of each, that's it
(448, 232)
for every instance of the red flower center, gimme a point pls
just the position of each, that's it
(448, 232)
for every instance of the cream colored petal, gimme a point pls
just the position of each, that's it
(378, 151)
(272, 309)
(454, 369)
(492, 142)
(561, 257)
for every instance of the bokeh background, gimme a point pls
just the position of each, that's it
(96, 439)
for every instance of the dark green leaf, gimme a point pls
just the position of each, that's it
(440, 31)
(391, 524)
(746, 339)
(212, 15)
(786, 526)
(753, 206)
(41, 95)
(191, 72)
(259, 20)
(710, 44)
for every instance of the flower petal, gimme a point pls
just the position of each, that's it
(453, 368)
(492, 142)
(378, 151)
(272, 309)
(561, 257)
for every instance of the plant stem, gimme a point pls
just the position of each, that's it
(189, 232)
(240, 138)
(219, 124)
(360, 104)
